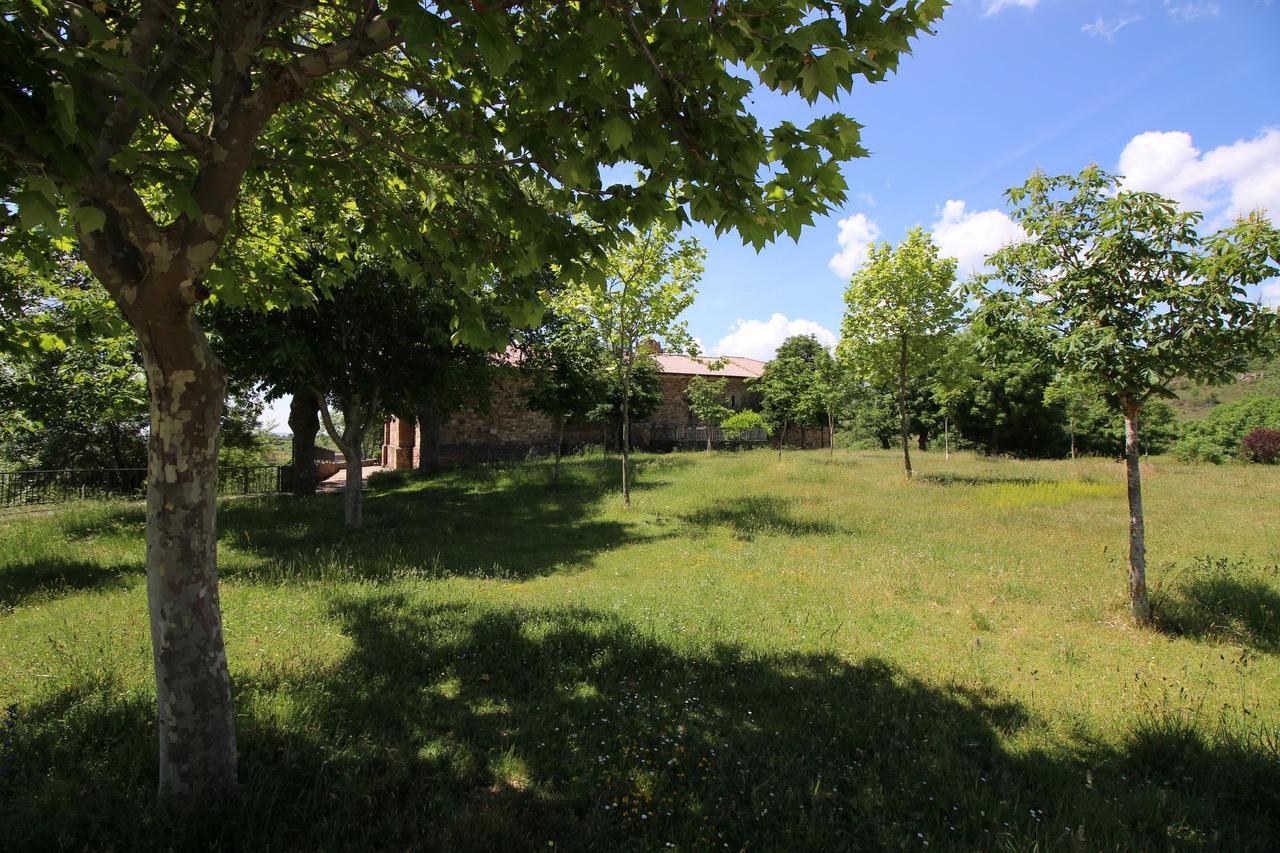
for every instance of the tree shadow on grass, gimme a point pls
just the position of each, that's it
(759, 515)
(474, 727)
(1222, 599)
(474, 524)
(35, 580)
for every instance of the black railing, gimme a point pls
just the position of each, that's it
(31, 488)
(694, 435)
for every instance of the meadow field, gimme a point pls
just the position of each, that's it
(809, 653)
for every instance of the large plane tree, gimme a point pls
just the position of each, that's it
(165, 136)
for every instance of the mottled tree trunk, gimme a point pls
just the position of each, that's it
(1137, 534)
(429, 443)
(353, 491)
(904, 422)
(1073, 439)
(946, 436)
(350, 441)
(193, 687)
(304, 422)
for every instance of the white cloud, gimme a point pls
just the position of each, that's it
(970, 237)
(1269, 292)
(1223, 182)
(1183, 11)
(1108, 29)
(990, 7)
(857, 233)
(761, 338)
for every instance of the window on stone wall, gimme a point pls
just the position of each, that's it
(733, 402)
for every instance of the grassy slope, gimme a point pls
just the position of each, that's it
(758, 655)
(1194, 402)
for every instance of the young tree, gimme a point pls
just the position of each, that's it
(833, 390)
(900, 308)
(650, 279)
(790, 387)
(564, 361)
(953, 377)
(708, 399)
(1135, 298)
(155, 130)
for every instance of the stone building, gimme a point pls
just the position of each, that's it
(508, 429)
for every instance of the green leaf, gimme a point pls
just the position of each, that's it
(64, 99)
(90, 218)
(617, 133)
(34, 211)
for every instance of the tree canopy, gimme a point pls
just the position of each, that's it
(899, 310)
(1132, 297)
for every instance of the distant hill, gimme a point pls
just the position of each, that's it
(1194, 402)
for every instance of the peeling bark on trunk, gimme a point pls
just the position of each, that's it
(304, 422)
(902, 408)
(353, 492)
(1137, 535)
(193, 687)
(350, 441)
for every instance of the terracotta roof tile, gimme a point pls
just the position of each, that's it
(735, 365)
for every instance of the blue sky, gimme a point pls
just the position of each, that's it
(1190, 89)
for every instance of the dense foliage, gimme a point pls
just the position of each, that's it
(1218, 437)
(739, 423)
(1262, 444)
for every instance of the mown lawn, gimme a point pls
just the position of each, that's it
(763, 655)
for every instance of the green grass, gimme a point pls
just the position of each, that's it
(810, 654)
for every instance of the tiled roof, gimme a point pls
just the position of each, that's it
(734, 365)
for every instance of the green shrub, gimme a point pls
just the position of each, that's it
(1218, 437)
(737, 424)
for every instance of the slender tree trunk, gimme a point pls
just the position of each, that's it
(304, 422)
(831, 433)
(1137, 534)
(351, 442)
(902, 408)
(782, 437)
(555, 475)
(946, 436)
(626, 438)
(429, 439)
(193, 687)
(353, 491)
(1073, 439)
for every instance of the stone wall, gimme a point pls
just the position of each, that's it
(508, 429)
(674, 410)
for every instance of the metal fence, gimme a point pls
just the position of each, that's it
(30, 488)
(694, 435)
